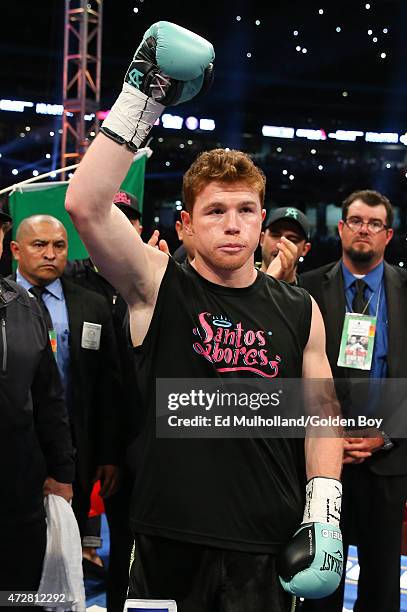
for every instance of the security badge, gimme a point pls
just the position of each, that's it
(357, 341)
(91, 336)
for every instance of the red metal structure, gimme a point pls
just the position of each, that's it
(81, 77)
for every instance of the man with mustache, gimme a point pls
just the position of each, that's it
(375, 470)
(82, 337)
(36, 451)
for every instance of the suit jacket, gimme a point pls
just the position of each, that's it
(326, 286)
(132, 415)
(94, 380)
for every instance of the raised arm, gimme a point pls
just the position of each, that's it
(170, 66)
(134, 268)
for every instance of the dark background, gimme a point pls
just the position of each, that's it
(277, 85)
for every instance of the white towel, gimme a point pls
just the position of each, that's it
(62, 573)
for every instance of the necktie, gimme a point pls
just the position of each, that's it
(359, 301)
(359, 305)
(39, 292)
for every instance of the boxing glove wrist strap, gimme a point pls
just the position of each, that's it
(131, 118)
(323, 497)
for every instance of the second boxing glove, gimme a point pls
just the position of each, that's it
(311, 564)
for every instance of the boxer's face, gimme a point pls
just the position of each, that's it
(225, 224)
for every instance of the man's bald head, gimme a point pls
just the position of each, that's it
(41, 249)
(28, 225)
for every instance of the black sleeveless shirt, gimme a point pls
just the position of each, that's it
(240, 494)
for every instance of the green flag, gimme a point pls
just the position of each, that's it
(49, 199)
(134, 181)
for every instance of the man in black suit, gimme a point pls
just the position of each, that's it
(36, 452)
(375, 468)
(81, 332)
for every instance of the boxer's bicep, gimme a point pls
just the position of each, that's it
(132, 267)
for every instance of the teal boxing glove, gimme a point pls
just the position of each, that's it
(171, 65)
(311, 565)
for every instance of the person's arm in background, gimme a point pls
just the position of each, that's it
(52, 426)
(284, 265)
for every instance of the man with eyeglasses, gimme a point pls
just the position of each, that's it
(375, 468)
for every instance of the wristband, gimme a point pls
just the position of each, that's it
(131, 118)
(323, 498)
